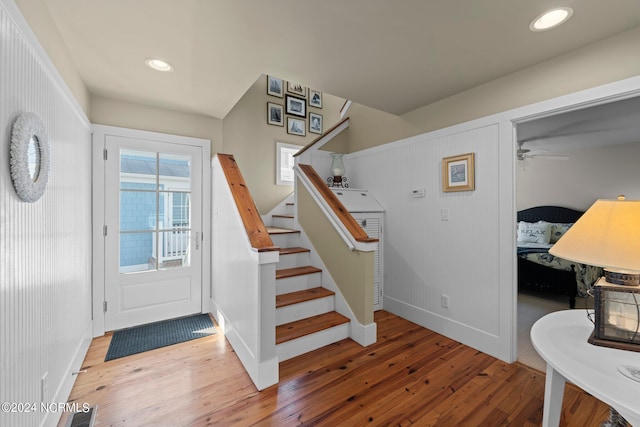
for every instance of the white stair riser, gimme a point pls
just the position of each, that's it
(290, 209)
(286, 240)
(298, 283)
(293, 260)
(283, 222)
(307, 343)
(302, 310)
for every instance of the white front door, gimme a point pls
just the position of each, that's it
(153, 212)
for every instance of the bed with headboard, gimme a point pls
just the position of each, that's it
(538, 229)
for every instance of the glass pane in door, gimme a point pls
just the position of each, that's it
(155, 229)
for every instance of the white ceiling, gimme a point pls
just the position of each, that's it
(391, 55)
(597, 126)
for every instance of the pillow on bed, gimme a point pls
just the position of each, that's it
(534, 232)
(557, 230)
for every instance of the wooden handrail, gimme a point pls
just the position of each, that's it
(253, 224)
(325, 135)
(336, 205)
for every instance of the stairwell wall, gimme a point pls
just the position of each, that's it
(352, 271)
(252, 141)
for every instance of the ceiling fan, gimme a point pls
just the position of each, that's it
(525, 153)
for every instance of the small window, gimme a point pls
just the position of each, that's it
(285, 162)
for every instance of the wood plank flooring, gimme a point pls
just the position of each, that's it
(411, 376)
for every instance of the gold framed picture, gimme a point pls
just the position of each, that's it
(458, 173)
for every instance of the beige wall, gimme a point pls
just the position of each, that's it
(351, 270)
(253, 142)
(588, 175)
(37, 15)
(370, 127)
(604, 62)
(112, 112)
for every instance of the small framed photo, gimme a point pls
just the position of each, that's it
(296, 126)
(458, 173)
(297, 89)
(296, 106)
(315, 123)
(275, 114)
(315, 98)
(275, 86)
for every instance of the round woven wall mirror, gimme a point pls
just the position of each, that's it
(29, 157)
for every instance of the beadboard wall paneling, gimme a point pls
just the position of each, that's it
(45, 247)
(427, 257)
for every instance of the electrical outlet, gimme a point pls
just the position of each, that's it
(444, 301)
(44, 388)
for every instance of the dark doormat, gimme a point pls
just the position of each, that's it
(161, 334)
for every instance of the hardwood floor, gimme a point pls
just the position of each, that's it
(411, 376)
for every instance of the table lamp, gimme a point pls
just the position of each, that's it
(337, 178)
(608, 235)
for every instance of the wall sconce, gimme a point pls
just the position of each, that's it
(337, 171)
(608, 236)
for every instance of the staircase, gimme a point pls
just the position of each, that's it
(305, 311)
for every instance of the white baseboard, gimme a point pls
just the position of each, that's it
(71, 373)
(263, 373)
(480, 340)
(363, 334)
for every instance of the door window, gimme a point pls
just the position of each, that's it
(155, 211)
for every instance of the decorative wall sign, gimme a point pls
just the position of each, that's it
(29, 157)
(458, 173)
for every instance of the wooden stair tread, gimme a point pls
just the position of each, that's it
(293, 250)
(310, 325)
(296, 271)
(288, 216)
(302, 296)
(280, 230)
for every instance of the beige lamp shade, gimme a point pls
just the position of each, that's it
(606, 235)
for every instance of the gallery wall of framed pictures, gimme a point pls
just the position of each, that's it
(296, 109)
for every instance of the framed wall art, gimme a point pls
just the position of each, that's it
(296, 126)
(296, 106)
(275, 114)
(296, 88)
(458, 173)
(275, 86)
(315, 123)
(315, 98)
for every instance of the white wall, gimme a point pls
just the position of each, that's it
(588, 175)
(45, 247)
(426, 257)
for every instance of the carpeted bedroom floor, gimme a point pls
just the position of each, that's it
(531, 307)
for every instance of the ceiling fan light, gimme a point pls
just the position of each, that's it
(158, 65)
(551, 19)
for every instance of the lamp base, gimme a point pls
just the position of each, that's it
(613, 344)
(622, 277)
(337, 182)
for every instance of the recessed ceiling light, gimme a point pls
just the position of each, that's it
(158, 64)
(551, 19)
